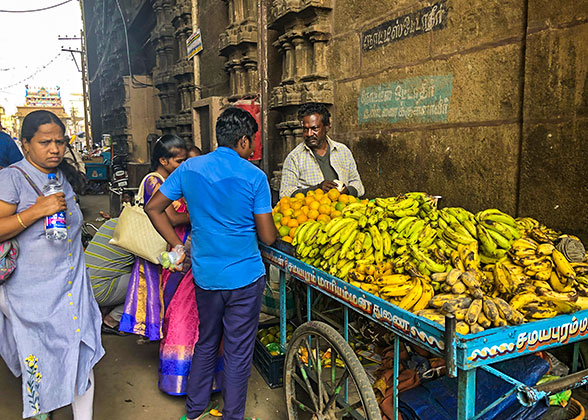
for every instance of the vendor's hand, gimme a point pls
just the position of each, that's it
(51, 204)
(326, 186)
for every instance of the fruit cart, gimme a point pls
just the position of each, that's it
(323, 376)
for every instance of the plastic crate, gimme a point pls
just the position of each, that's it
(270, 367)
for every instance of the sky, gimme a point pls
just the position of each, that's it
(29, 41)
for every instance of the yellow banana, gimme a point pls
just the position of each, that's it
(426, 296)
(562, 265)
(412, 297)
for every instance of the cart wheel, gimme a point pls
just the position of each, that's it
(315, 386)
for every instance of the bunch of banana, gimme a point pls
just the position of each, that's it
(536, 230)
(407, 292)
(545, 266)
(581, 270)
(456, 226)
(496, 232)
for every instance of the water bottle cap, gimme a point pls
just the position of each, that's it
(52, 176)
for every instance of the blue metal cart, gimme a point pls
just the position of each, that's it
(463, 354)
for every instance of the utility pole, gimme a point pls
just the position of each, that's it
(82, 53)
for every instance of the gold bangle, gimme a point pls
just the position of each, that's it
(20, 221)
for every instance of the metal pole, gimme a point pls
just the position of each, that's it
(85, 93)
(85, 80)
(262, 48)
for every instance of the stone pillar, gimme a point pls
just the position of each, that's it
(290, 142)
(250, 77)
(300, 56)
(289, 70)
(240, 75)
(319, 59)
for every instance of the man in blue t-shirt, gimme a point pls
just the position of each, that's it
(9, 152)
(229, 205)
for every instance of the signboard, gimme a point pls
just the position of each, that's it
(194, 44)
(415, 100)
(428, 19)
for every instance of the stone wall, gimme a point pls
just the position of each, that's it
(554, 153)
(483, 103)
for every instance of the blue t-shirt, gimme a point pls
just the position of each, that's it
(9, 152)
(223, 192)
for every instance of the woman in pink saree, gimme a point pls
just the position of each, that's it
(180, 320)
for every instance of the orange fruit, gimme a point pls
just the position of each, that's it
(296, 213)
(314, 205)
(288, 212)
(352, 199)
(284, 230)
(292, 223)
(287, 239)
(333, 194)
(296, 205)
(318, 192)
(301, 219)
(339, 206)
(292, 232)
(343, 198)
(309, 199)
(284, 207)
(305, 210)
(325, 200)
(313, 214)
(310, 193)
(323, 218)
(335, 213)
(285, 220)
(324, 209)
(284, 200)
(299, 196)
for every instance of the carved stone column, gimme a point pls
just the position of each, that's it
(319, 54)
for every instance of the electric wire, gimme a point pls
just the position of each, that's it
(36, 10)
(133, 80)
(40, 69)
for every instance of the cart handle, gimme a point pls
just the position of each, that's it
(530, 395)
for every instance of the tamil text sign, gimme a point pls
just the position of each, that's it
(418, 99)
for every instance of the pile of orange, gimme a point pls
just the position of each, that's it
(291, 212)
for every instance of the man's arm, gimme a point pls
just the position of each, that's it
(266, 229)
(290, 175)
(155, 209)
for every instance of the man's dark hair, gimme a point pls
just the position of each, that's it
(315, 108)
(232, 125)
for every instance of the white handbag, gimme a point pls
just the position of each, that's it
(135, 232)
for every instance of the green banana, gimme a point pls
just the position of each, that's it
(486, 241)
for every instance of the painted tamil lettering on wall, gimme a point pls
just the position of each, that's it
(418, 99)
(431, 18)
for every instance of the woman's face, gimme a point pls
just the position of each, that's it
(171, 164)
(46, 148)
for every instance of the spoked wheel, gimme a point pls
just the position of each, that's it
(323, 378)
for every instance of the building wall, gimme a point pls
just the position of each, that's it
(510, 91)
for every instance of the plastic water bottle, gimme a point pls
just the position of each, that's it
(55, 227)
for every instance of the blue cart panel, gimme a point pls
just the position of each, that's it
(96, 171)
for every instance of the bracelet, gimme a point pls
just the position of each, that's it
(20, 221)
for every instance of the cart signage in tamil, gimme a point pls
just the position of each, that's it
(414, 100)
(530, 341)
(355, 298)
(431, 18)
